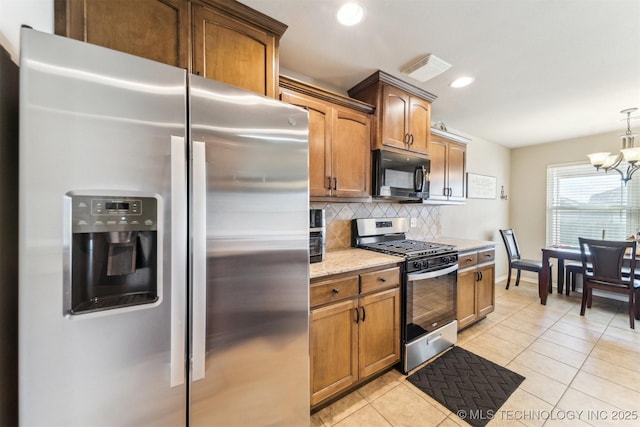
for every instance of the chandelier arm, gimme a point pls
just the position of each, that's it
(631, 170)
(617, 170)
(615, 165)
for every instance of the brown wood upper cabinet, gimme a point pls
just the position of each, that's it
(403, 112)
(228, 41)
(339, 140)
(448, 154)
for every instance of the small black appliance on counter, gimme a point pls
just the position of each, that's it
(317, 235)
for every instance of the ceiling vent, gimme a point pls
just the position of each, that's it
(426, 68)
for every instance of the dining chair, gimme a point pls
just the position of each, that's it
(571, 269)
(516, 261)
(602, 263)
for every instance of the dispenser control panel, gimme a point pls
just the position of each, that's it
(94, 214)
(118, 207)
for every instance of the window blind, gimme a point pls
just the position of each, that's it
(584, 202)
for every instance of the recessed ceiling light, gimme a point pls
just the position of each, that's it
(461, 82)
(350, 14)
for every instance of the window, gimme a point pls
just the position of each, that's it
(585, 202)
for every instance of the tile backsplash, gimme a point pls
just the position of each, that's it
(339, 216)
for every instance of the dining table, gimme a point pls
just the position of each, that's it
(561, 253)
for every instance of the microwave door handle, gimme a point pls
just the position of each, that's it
(418, 178)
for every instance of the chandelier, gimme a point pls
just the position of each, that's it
(628, 153)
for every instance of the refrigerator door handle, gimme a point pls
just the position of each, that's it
(199, 275)
(178, 259)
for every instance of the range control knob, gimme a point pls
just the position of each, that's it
(416, 264)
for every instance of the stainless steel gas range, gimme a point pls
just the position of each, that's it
(429, 286)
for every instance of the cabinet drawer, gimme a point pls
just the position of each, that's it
(333, 290)
(381, 279)
(467, 260)
(486, 256)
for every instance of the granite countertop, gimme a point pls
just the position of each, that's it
(351, 259)
(464, 245)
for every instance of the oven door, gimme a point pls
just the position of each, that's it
(430, 301)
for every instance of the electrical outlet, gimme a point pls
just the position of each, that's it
(414, 222)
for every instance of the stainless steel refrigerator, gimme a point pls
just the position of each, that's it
(163, 255)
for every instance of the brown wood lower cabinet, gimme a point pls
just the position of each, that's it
(354, 329)
(476, 286)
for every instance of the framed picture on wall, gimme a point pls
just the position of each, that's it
(481, 186)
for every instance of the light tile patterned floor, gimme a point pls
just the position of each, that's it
(579, 371)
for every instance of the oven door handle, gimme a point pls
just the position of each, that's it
(431, 274)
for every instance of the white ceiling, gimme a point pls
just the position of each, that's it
(545, 70)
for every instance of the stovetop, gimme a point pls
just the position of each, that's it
(410, 248)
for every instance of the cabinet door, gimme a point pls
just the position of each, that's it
(419, 125)
(456, 168)
(153, 29)
(395, 116)
(333, 346)
(379, 331)
(485, 290)
(351, 153)
(467, 306)
(233, 52)
(438, 175)
(319, 141)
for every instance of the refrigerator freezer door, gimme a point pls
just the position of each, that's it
(255, 295)
(100, 122)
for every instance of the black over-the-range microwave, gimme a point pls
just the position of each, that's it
(403, 177)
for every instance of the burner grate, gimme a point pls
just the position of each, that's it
(408, 247)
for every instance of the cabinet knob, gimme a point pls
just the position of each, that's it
(335, 291)
(469, 259)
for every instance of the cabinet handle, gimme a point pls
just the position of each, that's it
(335, 291)
(329, 182)
(469, 259)
(410, 139)
(382, 279)
(481, 275)
(335, 183)
(364, 314)
(357, 315)
(406, 138)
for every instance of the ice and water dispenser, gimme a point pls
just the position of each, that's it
(114, 252)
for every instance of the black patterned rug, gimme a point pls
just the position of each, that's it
(470, 386)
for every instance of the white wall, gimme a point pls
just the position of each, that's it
(37, 14)
(480, 219)
(529, 183)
